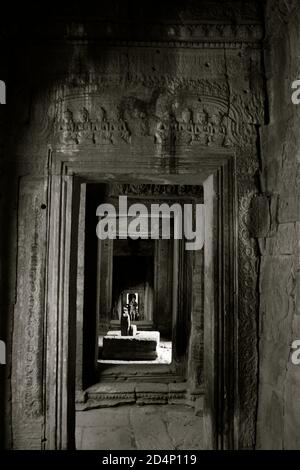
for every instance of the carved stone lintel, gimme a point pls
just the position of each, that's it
(207, 121)
(84, 130)
(155, 190)
(188, 31)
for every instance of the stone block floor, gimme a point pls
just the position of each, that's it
(150, 427)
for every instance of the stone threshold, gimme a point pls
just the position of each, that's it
(103, 395)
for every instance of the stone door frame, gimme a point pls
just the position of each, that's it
(181, 318)
(216, 171)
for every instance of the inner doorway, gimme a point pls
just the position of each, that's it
(137, 277)
(153, 279)
(149, 277)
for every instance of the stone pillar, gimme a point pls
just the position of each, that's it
(104, 284)
(195, 366)
(163, 280)
(28, 330)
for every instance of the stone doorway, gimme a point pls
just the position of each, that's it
(162, 284)
(192, 378)
(182, 107)
(167, 275)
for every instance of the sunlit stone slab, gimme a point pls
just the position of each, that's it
(141, 347)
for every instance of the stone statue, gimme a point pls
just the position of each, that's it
(133, 307)
(126, 328)
(125, 322)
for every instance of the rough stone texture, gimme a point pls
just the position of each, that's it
(104, 395)
(166, 427)
(185, 429)
(104, 429)
(149, 108)
(151, 393)
(142, 346)
(28, 342)
(139, 85)
(278, 421)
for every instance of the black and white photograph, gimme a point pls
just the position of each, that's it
(149, 229)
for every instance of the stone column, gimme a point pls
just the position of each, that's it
(28, 331)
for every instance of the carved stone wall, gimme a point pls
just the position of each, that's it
(171, 117)
(195, 93)
(28, 341)
(279, 380)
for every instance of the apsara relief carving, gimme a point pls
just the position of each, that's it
(207, 123)
(84, 130)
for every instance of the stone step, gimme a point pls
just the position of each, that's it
(106, 395)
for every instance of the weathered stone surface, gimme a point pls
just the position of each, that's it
(104, 395)
(177, 387)
(291, 411)
(185, 429)
(151, 387)
(116, 417)
(147, 428)
(177, 393)
(260, 216)
(199, 406)
(150, 430)
(284, 242)
(110, 438)
(279, 384)
(78, 437)
(151, 393)
(142, 346)
(203, 102)
(276, 375)
(110, 388)
(289, 208)
(28, 344)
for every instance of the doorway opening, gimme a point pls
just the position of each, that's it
(196, 318)
(133, 292)
(151, 280)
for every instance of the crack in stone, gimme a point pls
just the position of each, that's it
(132, 433)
